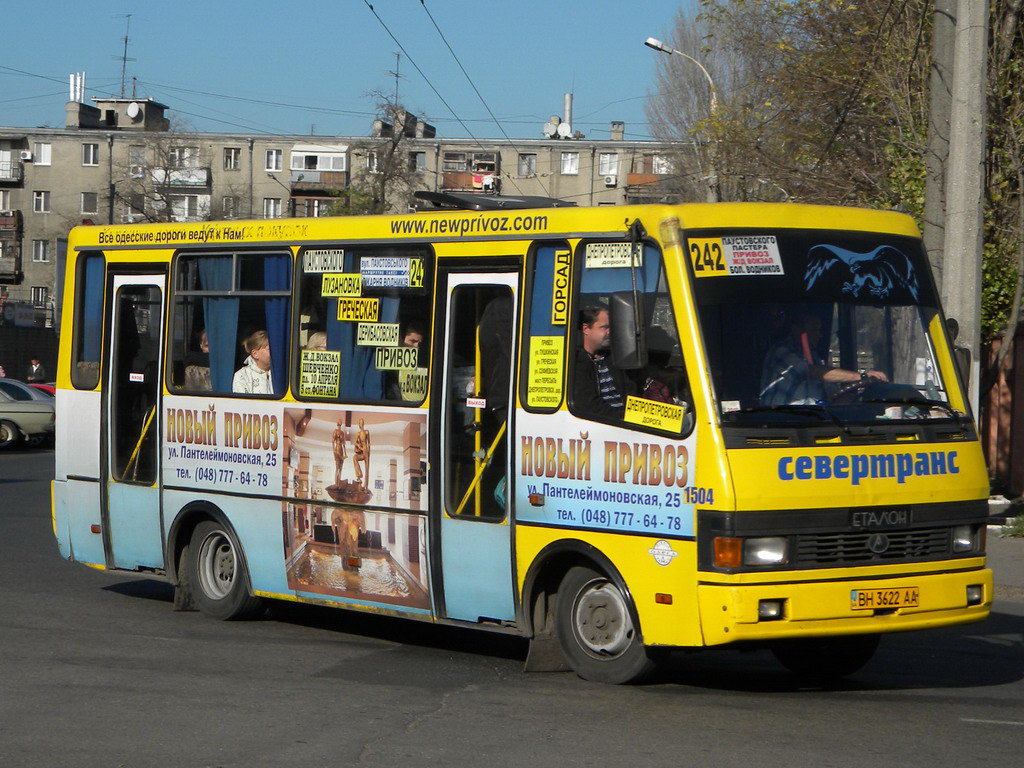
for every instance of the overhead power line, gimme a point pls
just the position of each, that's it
(427, 79)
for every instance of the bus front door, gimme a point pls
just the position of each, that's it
(132, 530)
(473, 459)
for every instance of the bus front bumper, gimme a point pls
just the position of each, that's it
(733, 613)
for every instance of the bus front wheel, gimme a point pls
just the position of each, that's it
(217, 572)
(595, 629)
(826, 658)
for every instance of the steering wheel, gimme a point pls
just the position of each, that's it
(850, 392)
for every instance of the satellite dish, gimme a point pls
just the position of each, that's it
(564, 130)
(550, 129)
(134, 110)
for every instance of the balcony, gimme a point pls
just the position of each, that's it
(469, 181)
(190, 178)
(643, 179)
(317, 181)
(12, 171)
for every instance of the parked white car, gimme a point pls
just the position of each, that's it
(25, 413)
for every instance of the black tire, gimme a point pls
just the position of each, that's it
(595, 629)
(826, 658)
(10, 435)
(217, 574)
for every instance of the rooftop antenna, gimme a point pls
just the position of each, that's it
(396, 74)
(124, 55)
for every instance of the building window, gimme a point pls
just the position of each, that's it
(454, 161)
(41, 201)
(274, 159)
(90, 202)
(318, 161)
(183, 157)
(320, 207)
(271, 207)
(527, 165)
(5, 200)
(229, 206)
(136, 154)
(371, 162)
(40, 294)
(40, 250)
(90, 154)
(232, 156)
(41, 153)
(570, 163)
(188, 207)
(661, 165)
(136, 208)
(417, 161)
(608, 164)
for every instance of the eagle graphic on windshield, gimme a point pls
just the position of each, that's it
(884, 273)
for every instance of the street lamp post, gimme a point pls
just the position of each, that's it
(713, 193)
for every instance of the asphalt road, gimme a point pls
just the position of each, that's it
(96, 670)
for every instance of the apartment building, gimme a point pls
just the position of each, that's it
(119, 162)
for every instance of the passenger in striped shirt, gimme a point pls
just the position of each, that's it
(599, 388)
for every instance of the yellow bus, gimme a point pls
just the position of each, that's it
(616, 431)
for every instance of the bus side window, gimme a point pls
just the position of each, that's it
(88, 329)
(230, 324)
(547, 317)
(602, 390)
(364, 324)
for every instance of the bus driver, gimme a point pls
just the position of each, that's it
(794, 374)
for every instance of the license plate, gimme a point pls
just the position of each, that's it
(875, 599)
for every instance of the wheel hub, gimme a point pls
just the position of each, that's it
(602, 620)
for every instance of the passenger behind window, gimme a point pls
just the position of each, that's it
(317, 342)
(599, 388)
(413, 335)
(254, 377)
(197, 366)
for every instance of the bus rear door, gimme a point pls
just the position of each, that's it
(132, 530)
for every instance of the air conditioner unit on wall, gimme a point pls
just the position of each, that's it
(137, 171)
(26, 156)
(611, 180)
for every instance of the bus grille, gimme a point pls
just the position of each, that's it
(853, 548)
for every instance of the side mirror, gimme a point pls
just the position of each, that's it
(629, 347)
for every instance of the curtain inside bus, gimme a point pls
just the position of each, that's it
(92, 309)
(276, 278)
(220, 312)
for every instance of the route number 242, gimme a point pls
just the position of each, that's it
(707, 256)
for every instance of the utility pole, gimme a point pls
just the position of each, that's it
(940, 87)
(961, 284)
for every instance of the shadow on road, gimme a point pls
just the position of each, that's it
(977, 655)
(973, 656)
(386, 628)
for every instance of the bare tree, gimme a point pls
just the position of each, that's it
(387, 178)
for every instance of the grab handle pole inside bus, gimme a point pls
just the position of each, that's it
(480, 472)
(131, 465)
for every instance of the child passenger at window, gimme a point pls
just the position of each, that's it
(254, 377)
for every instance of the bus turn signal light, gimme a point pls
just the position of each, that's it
(728, 552)
(94, 528)
(664, 599)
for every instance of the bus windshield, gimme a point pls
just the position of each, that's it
(809, 326)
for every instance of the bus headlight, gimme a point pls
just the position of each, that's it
(769, 550)
(965, 538)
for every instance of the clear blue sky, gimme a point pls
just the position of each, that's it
(522, 55)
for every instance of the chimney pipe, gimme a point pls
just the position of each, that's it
(568, 109)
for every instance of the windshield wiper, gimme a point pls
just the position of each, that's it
(821, 411)
(919, 402)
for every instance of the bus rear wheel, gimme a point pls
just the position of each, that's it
(826, 658)
(217, 573)
(595, 629)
